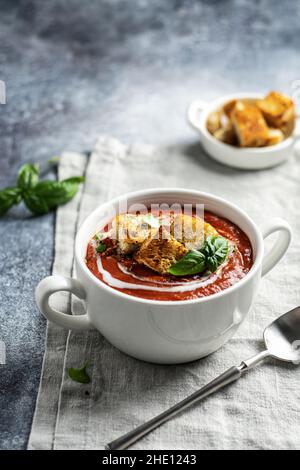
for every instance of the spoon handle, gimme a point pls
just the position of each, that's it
(231, 375)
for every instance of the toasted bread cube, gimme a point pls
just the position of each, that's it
(188, 230)
(213, 122)
(160, 253)
(279, 111)
(209, 231)
(229, 107)
(226, 135)
(131, 231)
(288, 122)
(249, 125)
(126, 248)
(191, 230)
(275, 136)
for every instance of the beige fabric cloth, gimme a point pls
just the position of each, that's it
(261, 411)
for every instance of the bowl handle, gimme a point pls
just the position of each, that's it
(193, 113)
(281, 244)
(49, 286)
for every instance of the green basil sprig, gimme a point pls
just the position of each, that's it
(28, 176)
(8, 198)
(39, 196)
(192, 263)
(79, 375)
(215, 250)
(101, 247)
(211, 255)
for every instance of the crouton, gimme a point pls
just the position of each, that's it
(131, 231)
(209, 231)
(249, 125)
(191, 231)
(279, 111)
(226, 135)
(229, 107)
(160, 253)
(275, 136)
(213, 122)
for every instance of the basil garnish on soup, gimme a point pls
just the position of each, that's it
(215, 250)
(212, 254)
(192, 263)
(101, 247)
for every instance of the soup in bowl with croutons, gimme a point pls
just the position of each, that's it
(169, 255)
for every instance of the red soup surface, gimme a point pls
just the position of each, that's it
(130, 278)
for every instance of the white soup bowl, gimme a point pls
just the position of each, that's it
(164, 331)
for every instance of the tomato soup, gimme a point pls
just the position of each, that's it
(124, 274)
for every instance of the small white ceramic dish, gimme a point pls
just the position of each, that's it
(163, 331)
(243, 158)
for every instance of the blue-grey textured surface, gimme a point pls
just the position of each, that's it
(76, 69)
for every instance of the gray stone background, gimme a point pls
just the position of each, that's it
(128, 68)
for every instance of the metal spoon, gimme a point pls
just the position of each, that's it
(282, 340)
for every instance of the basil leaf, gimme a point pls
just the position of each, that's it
(192, 263)
(39, 196)
(215, 250)
(101, 247)
(56, 193)
(79, 375)
(9, 197)
(28, 176)
(47, 195)
(212, 254)
(36, 204)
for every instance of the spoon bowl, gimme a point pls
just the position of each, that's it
(282, 337)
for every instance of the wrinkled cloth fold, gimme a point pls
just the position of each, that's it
(261, 411)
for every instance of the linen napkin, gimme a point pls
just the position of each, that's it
(261, 411)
